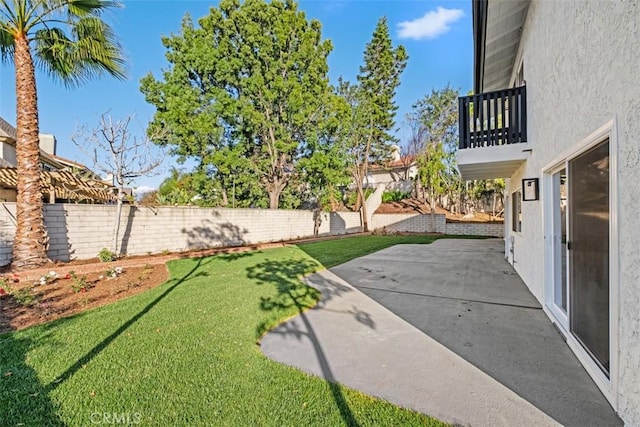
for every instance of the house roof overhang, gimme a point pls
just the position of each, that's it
(6, 130)
(8, 134)
(497, 30)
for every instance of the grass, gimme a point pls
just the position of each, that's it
(333, 252)
(185, 353)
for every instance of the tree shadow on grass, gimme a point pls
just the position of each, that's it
(24, 398)
(233, 256)
(193, 273)
(292, 295)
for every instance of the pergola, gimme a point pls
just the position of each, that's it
(63, 185)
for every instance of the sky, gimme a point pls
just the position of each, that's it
(436, 34)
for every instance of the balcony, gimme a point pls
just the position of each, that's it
(493, 133)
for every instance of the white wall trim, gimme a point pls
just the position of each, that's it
(547, 226)
(614, 261)
(608, 386)
(609, 129)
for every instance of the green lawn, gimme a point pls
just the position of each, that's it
(333, 252)
(185, 353)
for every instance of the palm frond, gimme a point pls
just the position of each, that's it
(90, 50)
(97, 49)
(6, 45)
(74, 8)
(53, 53)
(44, 13)
(7, 13)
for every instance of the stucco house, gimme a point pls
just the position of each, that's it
(556, 111)
(63, 180)
(397, 174)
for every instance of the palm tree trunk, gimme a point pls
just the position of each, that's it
(30, 244)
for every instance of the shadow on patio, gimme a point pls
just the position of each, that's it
(486, 354)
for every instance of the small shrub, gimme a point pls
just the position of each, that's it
(394, 196)
(5, 288)
(24, 296)
(114, 272)
(105, 255)
(80, 283)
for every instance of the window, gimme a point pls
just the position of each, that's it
(516, 211)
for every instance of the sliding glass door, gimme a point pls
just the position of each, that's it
(588, 250)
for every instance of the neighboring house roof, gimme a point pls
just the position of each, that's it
(403, 162)
(7, 130)
(9, 134)
(69, 162)
(70, 180)
(77, 166)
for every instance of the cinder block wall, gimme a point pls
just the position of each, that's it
(7, 231)
(475, 229)
(80, 231)
(412, 223)
(418, 223)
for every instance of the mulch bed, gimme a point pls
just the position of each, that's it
(58, 298)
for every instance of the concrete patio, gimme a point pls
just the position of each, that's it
(447, 329)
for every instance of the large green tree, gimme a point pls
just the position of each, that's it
(251, 79)
(371, 118)
(70, 41)
(379, 79)
(324, 167)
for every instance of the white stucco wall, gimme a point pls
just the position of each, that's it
(581, 65)
(8, 153)
(395, 179)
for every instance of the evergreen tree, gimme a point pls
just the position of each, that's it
(372, 107)
(379, 79)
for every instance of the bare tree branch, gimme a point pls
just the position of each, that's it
(115, 152)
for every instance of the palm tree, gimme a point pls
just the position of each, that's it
(71, 43)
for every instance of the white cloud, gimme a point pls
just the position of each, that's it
(431, 25)
(143, 189)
